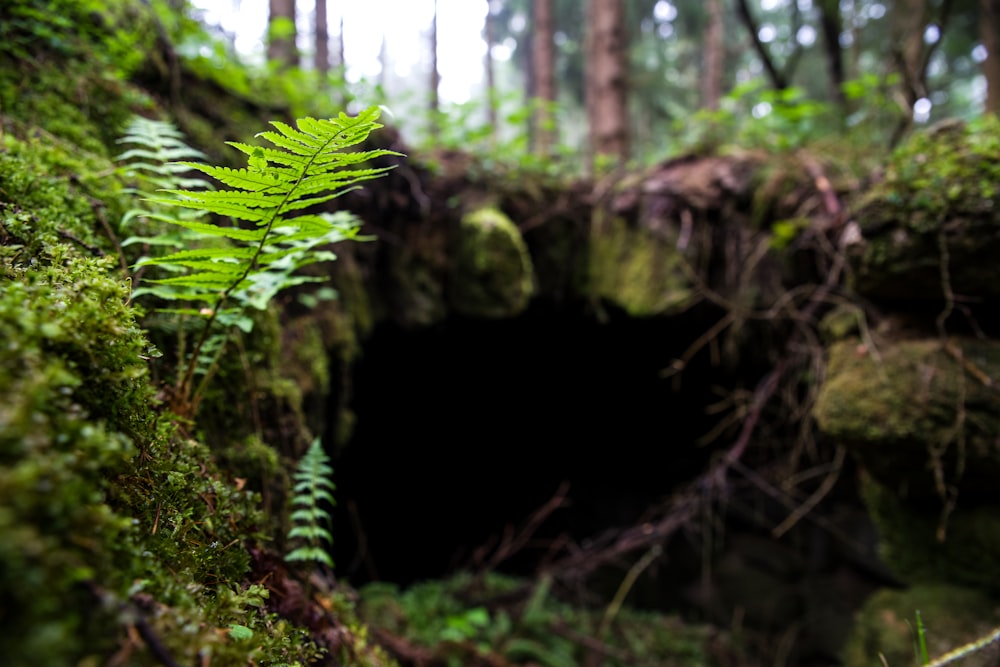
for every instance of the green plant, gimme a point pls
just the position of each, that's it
(312, 489)
(260, 240)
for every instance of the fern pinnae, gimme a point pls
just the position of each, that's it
(306, 168)
(313, 486)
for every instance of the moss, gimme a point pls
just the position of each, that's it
(911, 545)
(951, 615)
(935, 210)
(461, 622)
(637, 270)
(493, 276)
(842, 322)
(914, 406)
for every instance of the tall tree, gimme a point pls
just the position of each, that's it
(607, 79)
(492, 101)
(322, 52)
(281, 33)
(544, 61)
(780, 77)
(832, 25)
(914, 22)
(713, 56)
(989, 34)
(433, 103)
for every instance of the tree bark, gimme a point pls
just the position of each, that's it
(341, 61)
(989, 34)
(322, 53)
(281, 48)
(544, 60)
(832, 25)
(780, 77)
(714, 54)
(433, 101)
(607, 79)
(489, 36)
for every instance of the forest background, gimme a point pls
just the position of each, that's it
(681, 74)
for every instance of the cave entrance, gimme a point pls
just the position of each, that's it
(470, 426)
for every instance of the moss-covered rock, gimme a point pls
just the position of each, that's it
(951, 616)
(921, 543)
(936, 212)
(916, 411)
(636, 269)
(493, 275)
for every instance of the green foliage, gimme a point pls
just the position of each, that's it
(65, 330)
(248, 264)
(461, 621)
(755, 115)
(951, 169)
(313, 492)
(921, 642)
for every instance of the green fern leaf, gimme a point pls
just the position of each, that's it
(244, 179)
(312, 488)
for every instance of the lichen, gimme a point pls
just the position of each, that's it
(493, 276)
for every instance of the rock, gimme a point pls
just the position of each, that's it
(493, 275)
(923, 545)
(951, 617)
(936, 214)
(638, 269)
(915, 411)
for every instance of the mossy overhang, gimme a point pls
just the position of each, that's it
(932, 225)
(492, 276)
(913, 409)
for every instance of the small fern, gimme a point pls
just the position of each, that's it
(313, 487)
(259, 239)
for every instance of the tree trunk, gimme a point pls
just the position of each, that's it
(607, 79)
(832, 25)
(544, 60)
(322, 54)
(989, 34)
(433, 103)
(341, 61)
(715, 51)
(489, 36)
(281, 33)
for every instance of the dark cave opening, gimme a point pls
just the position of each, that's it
(470, 426)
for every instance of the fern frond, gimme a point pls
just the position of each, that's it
(312, 488)
(255, 239)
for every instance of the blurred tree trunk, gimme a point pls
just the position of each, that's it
(281, 33)
(383, 63)
(544, 60)
(322, 54)
(832, 25)
(434, 104)
(910, 21)
(341, 61)
(489, 36)
(779, 76)
(989, 35)
(713, 56)
(607, 79)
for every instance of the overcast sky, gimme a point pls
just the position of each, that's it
(460, 45)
